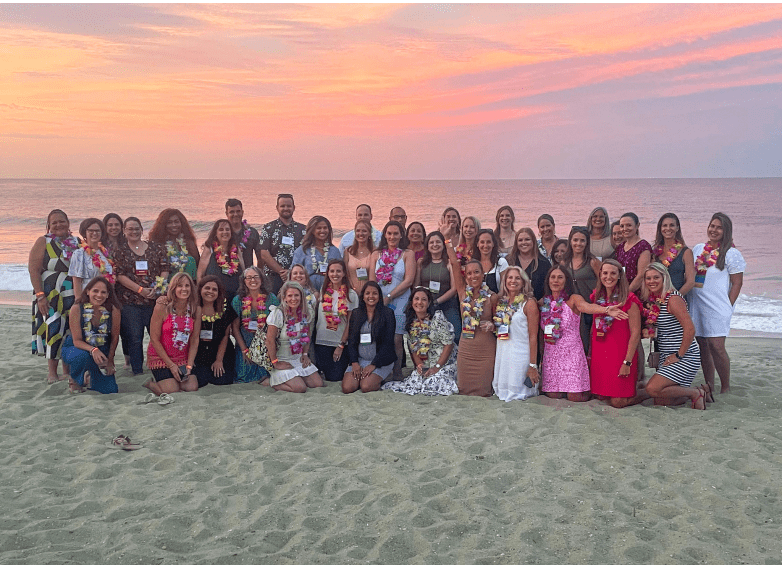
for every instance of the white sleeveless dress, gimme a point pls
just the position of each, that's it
(512, 361)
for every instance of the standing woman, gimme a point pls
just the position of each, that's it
(173, 339)
(527, 256)
(504, 230)
(617, 238)
(516, 318)
(50, 259)
(172, 230)
(142, 273)
(467, 240)
(416, 234)
(487, 250)
(453, 220)
(547, 236)
(91, 259)
(113, 239)
(338, 300)
(635, 253)
(94, 321)
(252, 306)
(582, 269)
(718, 280)
(671, 325)
(671, 251)
(558, 251)
(316, 250)
(221, 258)
(370, 348)
(393, 267)
(615, 338)
(357, 256)
(215, 361)
(599, 229)
(292, 369)
(434, 273)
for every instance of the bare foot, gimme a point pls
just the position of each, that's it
(53, 379)
(87, 380)
(264, 382)
(74, 388)
(724, 390)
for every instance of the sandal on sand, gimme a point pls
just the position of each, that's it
(149, 398)
(707, 393)
(701, 396)
(123, 442)
(165, 399)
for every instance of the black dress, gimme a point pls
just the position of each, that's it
(207, 351)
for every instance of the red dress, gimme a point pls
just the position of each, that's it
(608, 353)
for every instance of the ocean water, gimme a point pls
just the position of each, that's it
(754, 205)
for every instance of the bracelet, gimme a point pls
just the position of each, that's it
(275, 361)
(40, 294)
(246, 350)
(140, 289)
(93, 350)
(676, 354)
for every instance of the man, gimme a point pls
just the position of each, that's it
(363, 213)
(398, 214)
(279, 239)
(248, 238)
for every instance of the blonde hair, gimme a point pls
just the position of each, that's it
(622, 288)
(526, 284)
(663, 271)
(171, 292)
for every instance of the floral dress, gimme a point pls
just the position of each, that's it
(247, 371)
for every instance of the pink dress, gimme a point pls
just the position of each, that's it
(608, 353)
(564, 366)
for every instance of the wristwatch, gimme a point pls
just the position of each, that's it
(535, 366)
(438, 366)
(627, 363)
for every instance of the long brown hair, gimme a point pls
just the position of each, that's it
(659, 240)
(370, 241)
(727, 238)
(622, 289)
(111, 299)
(309, 235)
(513, 257)
(497, 219)
(171, 292)
(211, 240)
(219, 302)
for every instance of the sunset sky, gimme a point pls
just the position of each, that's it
(374, 91)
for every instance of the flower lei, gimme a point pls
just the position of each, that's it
(327, 301)
(177, 255)
(506, 310)
(68, 245)
(387, 263)
(471, 314)
(215, 316)
(462, 254)
(670, 255)
(603, 322)
(297, 337)
(651, 312)
(161, 285)
(180, 345)
(245, 235)
(314, 259)
(100, 259)
(260, 308)
(93, 336)
(551, 314)
(420, 341)
(706, 259)
(229, 266)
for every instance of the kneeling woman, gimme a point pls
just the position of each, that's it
(339, 300)
(430, 339)
(292, 369)
(215, 358)
(370, 345)
(173, 339)
(668, 320)
(94, 322)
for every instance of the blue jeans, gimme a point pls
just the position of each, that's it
(134, 319)
(81, 361)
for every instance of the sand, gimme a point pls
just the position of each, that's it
(243, 474)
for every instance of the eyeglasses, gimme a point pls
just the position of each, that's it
(252, 278)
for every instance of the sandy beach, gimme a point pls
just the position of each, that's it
(243, 474)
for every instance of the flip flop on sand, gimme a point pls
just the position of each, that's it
(708, 395)
(165, 399)
(148, 399)
(123, 442)
(701, 398)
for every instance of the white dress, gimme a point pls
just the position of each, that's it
(512, 361)
(284, 354)
(710, 307)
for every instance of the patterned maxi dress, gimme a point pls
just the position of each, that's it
(50, 329)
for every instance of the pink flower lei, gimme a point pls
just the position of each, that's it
(228, 265)
(328, 305)
(551, 314)
(100, 259)
(298, 337)
(603, 322)
(670, 255)
(68, 245)
(387, 263)
(259, 305)
(651, 312)
(245, 235)
(707, 258)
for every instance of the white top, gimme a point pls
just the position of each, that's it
(710, 307)
(349, 237)
(324, 335)
(277, 319)
(82, 266)
(512, 361)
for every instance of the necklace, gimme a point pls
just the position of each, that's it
(298, 332)
(179, 339)
(670, 254)
(472, 311)
(314, 259)
(603, 322)
(100, 259)
(230, 265)
(95, 336)
(328, 305)
(551, 314)
(386, 264)
(177, 254)
(651, 312)
(215, 316)
(420, 340)
(504, 313)
(704, 261)
(259, 306)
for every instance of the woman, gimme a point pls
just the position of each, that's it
(291, 323)
(338, 301)
(504, 230)
(547, 236)
(416, 234)
(429, 338)
(558, 251)
(357, 255)
(49, 262)
(298, 273)
(670, 250)
(599, 229)
(113, 239)
(252, 306)
(371, 352)
(221, 258)
(617, 238)
(172, 230)
(393, 267)
(516, 318)
(94, 321)
(669, 323)
(142, 275)
(91, 259)
(635, 253)
(565, 369)
(173, 339)
(615, 337)
(527, 256)
(582, 269)
(467, 240)
(453, 219)
(475, 360)
(719, 276)
(434, 273)
(487, 251)
(316, 250)
(215, 361)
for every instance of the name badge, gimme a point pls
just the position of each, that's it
(366, 338)
(287, 240)
(548, 329)
(142, 267)
(252, 325)
(206, 335)
(182, 337)
(361, 274)
(323, 267)
(434, 286)
(502, 332)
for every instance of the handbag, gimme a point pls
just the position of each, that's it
(653, 360)
(258, 352)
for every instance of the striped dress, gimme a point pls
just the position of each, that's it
(669, 339)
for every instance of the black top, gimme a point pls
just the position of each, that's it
(230, 281)
(538, 277)
(253, 244)
(207, 349)
(383, 328)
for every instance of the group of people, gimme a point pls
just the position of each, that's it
(474, 311)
